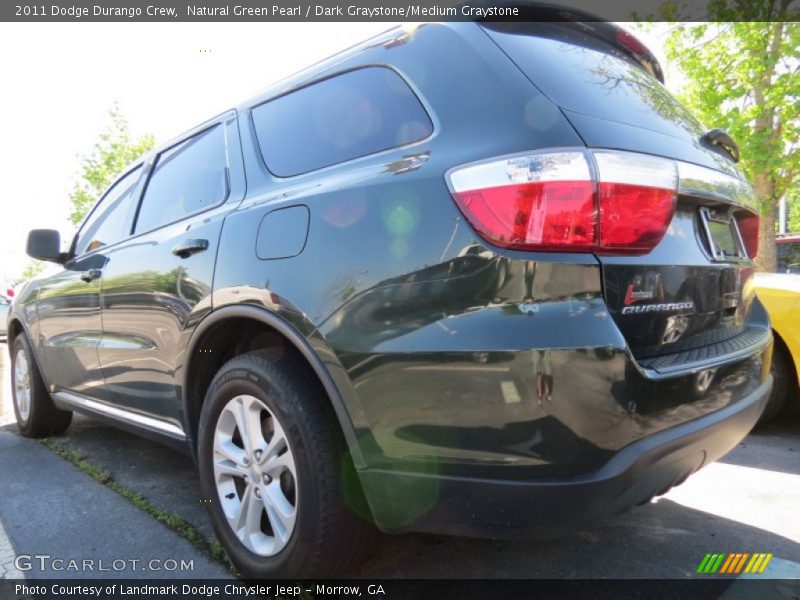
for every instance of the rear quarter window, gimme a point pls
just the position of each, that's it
(338, 119)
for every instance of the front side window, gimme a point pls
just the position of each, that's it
(187, 178)
(108, 222)
(338, 119)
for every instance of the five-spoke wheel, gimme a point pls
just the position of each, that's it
(276, 472)
(255, 475)
(22, 384)
(36, 414)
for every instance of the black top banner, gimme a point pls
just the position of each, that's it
(397, 10)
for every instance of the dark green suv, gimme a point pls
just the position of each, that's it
(479, 279)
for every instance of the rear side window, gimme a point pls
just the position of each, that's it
(338, 119)
(109, 221)
(187, 178)
(789, 257)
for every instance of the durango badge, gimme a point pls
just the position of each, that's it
(663, 307)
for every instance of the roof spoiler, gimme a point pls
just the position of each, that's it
(584, 22)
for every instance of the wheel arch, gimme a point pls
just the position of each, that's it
(15, 327)
(195, 381)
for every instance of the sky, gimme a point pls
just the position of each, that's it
(58, 81)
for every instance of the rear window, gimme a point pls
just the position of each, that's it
(338, 119)
(586, 75)
(789, 257)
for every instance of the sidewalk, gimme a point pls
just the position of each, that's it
(48, 507)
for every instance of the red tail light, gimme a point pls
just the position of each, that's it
(551, 202)
(748, 227)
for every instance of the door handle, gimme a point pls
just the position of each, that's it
(186, 248)
(91, 275)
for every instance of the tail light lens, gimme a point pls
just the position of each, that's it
(542, 201)
(553, 202)
(748, 227)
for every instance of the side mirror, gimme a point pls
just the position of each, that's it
(45, 244)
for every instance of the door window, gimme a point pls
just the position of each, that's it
(789, 258)
(108, 222)
(186, 179)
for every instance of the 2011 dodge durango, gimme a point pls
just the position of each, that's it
(485, 279)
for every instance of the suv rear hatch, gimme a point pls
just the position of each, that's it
(687, 299)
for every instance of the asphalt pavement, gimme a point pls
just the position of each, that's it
(748, 502)
(51, 513)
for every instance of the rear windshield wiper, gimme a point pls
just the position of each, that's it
(721, 139)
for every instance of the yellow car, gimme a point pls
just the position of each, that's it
(780, 294)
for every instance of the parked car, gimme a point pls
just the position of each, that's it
(4, 304)
(780, 294)
(788, 246)
(484, 279)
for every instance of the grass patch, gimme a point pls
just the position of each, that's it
(179, 525)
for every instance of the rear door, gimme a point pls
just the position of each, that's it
(157, 285)
(691, 290)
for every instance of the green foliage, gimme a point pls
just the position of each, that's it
(33, 269)
(793, 210)
(744, 77)
(111, 154)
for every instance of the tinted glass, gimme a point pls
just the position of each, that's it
(109, 222)
(339, 119)
(583, 74)
(789, 258)
(186, 179)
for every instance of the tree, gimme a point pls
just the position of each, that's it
(33, 268)
(745, 78)
(111, 154)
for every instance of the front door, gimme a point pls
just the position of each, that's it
(70, 322)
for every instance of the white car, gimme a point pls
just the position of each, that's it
(5, 303)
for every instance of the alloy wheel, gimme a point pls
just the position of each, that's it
(255, 475)
(22, 384)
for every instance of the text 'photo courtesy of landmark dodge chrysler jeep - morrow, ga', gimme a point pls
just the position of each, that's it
(483, 279)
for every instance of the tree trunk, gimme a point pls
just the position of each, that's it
(766, 260)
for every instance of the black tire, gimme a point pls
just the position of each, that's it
(784, 383)
(43, 418)
(329, 534)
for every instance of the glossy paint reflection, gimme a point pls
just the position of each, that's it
(70, 326)
(151, 299)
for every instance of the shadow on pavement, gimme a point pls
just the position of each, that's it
(659, 540)
(773, 447)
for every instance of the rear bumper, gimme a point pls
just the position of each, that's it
(525, 509)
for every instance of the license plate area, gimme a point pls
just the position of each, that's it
(723, 240)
